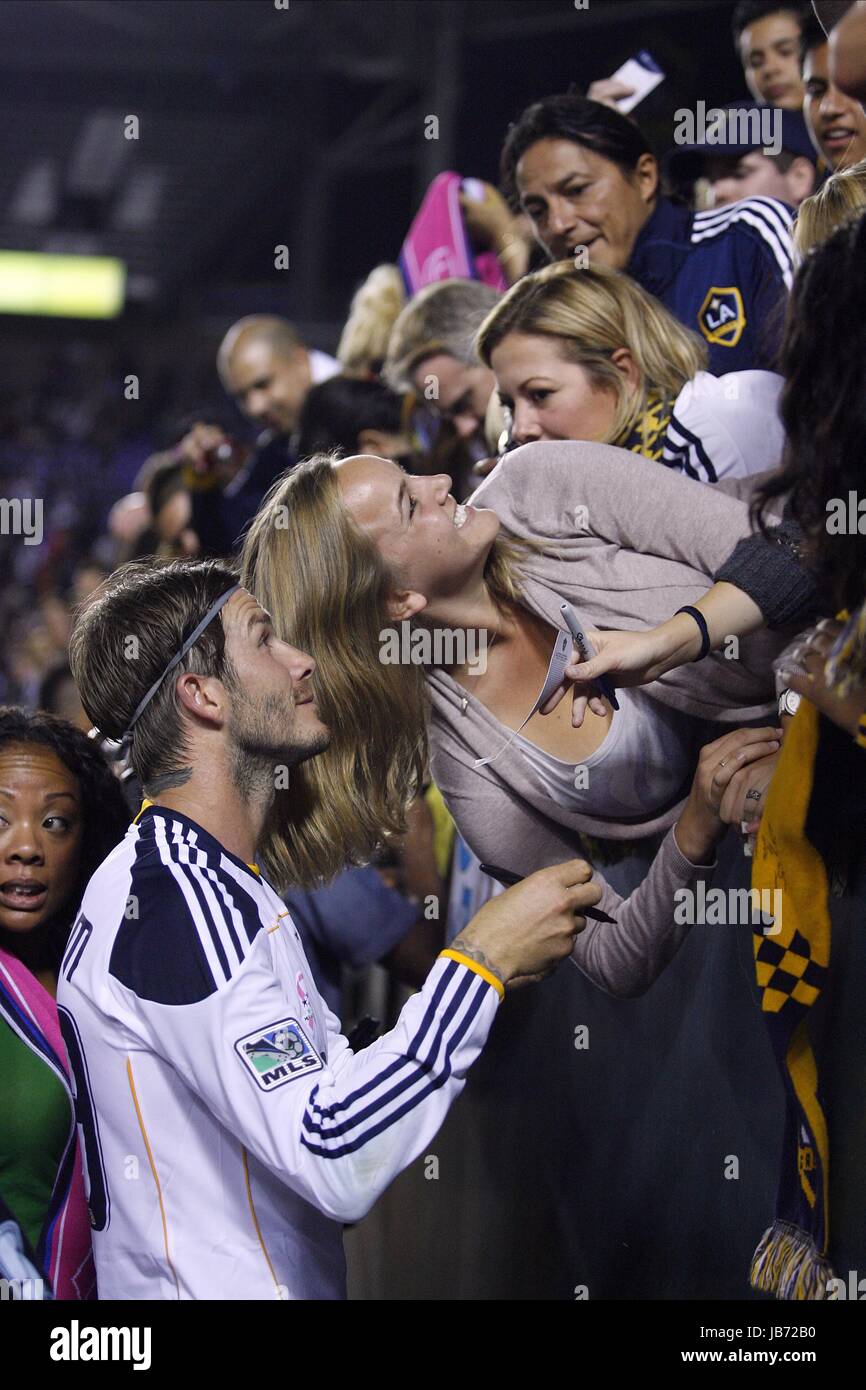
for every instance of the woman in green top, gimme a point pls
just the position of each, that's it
(61, 811)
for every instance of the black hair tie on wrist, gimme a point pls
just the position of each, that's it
(702, 624)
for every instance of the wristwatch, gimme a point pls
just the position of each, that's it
(789, 702)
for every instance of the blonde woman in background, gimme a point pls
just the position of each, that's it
(588, 354)
(374, 309)
(840, 199)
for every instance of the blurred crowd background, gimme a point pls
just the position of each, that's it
(258, 127)
(255, 168)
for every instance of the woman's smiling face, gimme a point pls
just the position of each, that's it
(41, 832)
(433, 545)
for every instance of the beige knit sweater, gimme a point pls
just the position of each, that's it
(627, 542)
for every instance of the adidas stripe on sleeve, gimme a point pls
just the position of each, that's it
(227, 1129)
(770, 220)
(337, 1131)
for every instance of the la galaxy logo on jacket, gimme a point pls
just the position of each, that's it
(278, 1053)
(722, 317)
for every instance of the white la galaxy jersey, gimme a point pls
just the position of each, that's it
(227, 1128)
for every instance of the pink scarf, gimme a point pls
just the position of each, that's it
(437, 246)
(68, 1256)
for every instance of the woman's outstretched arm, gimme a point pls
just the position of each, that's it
(636, 658)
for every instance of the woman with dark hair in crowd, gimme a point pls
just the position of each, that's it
(812, 840)
(61, 812)
(587, 179)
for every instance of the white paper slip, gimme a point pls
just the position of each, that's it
(643, 74)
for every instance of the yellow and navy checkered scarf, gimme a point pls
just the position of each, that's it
(648, 435)
(792, 967)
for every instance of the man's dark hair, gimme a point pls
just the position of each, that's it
(749, 11)
(570, 117)
(127, 634)
(823, 406)
(812, 36)
(104, 813)
(336, 411)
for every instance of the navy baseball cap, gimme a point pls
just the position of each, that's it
(687, 161)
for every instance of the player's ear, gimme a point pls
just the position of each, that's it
(203, 696)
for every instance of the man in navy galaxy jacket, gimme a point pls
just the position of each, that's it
(586, 178)
(724, 273)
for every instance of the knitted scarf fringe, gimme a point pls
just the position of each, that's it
(787, 1263)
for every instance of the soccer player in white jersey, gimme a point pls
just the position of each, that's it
(228, 1130)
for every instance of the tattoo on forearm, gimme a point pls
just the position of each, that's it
(464, 945)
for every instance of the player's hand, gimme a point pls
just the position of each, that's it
(530, 928)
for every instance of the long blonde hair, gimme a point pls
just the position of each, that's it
(326, 587)
(591, 313)
(840, 199)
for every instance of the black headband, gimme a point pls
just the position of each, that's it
(177, 658)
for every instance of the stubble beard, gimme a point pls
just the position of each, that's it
(263, 740)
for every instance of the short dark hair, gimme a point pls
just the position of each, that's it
(163, 483)
(104, 812)
(811, 36)
(571, 117)
(749, 11)
(127, 634)
(336, 411)
(50, 686)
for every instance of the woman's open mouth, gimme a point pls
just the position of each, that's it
(23, 894)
